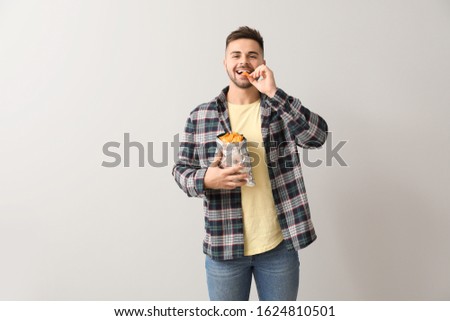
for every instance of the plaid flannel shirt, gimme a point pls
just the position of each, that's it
(285, 123)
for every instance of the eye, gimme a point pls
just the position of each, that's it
(253, 56)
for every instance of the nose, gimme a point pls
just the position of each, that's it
(243, 60)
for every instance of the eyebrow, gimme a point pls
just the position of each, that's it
(239, 52)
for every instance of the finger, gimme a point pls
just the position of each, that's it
(249, 76)
(237, 178)
(233, 170)
(261, 76)
(229, 185)
(263, 72)
(253, 74)
(240, 178)
(233, 185)
(258, 70)
(265, 68)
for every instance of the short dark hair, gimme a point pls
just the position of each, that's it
(246, 33)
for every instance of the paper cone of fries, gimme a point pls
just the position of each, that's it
(233, 148)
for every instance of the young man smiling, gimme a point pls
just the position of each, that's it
(251, 231)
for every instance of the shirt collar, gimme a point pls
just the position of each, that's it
(221, 99)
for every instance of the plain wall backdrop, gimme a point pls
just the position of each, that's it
(75, 75)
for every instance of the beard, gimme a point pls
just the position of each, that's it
(243, 84)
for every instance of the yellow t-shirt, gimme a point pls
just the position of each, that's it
(261, 228)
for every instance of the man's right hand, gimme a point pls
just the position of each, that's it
(224, 178)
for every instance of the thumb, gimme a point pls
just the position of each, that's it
(251, 79)
(217, 159)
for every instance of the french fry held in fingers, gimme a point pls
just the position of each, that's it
(248, 76)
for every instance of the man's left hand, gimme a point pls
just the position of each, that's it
(266, 84)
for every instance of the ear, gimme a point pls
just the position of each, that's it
(224, 64)
(264, 61)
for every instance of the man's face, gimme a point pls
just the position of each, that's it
(242, 55)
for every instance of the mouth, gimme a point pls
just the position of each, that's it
(241, 72)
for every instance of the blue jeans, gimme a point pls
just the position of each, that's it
(276, 275)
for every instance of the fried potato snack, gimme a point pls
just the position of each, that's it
(232, 137)
(233, 147)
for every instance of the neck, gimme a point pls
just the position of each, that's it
(242, 96)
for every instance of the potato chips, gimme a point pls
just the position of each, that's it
(232, 137)
(233, 147)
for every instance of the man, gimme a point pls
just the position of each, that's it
(251, 231)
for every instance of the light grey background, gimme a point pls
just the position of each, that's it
(77, 74)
